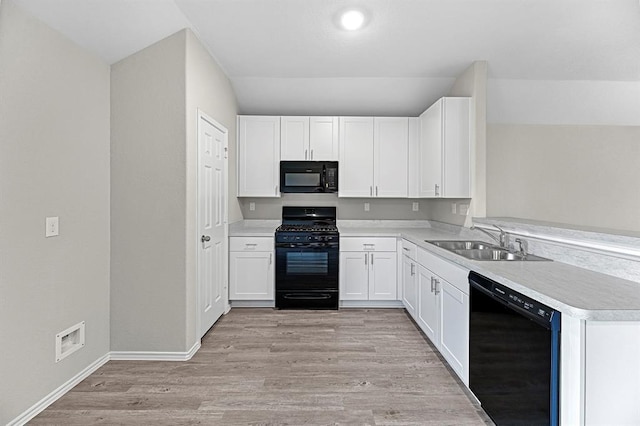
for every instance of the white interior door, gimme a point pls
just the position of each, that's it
(212, 222)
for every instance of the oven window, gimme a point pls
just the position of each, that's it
(302, 179)
(308, 263)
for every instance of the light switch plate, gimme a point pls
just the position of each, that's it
(453, 208)
(252, 206)
(52, 228)
(366, 207)
(415, 206)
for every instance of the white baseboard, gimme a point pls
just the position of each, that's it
(155, 356)
(371, 304)
(253, 304)
(39, 406)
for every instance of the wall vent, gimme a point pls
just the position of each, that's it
(69, 341)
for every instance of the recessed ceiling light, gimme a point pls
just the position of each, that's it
(352, 20)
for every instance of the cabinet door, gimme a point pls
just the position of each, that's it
(390, 156)
(409, 285)
(414, 157)
(251, 276)
(428, 305)
(294, 138)
(456, 180)
(354, 275)
(383, 276)
(258, 156)
(355, 176)
(454, 333)
(323, 139)
(430, 152)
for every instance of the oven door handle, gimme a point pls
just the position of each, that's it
(294, 296)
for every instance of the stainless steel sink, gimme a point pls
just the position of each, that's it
(479, 250)
(463, 245)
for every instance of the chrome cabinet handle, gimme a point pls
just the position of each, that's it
(366, 259)
(431, 284)
(305, 153)
(413, 271)
(405, 248)
(437, 191)
(376, 190)
(270, 259)
(312, 154)
(205, 238)
(435, 286)
(371, 191)
(276, 189)
(372, 258)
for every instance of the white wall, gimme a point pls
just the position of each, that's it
(615, 103)
(148, 195)
(565, 151)
(54, 161)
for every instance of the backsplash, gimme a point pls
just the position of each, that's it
(347, 208)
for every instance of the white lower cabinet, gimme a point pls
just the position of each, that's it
(251, 268)
(442, 307)
(429, 305)
(409, 284)
(454, 330)
(368, 269)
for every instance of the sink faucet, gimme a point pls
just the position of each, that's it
(503, 239)
(523, 246)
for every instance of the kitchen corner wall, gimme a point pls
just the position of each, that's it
(473, 83)
(148, 196)
(565, 152)
(54, 161)
(209, 90)
(156, 94)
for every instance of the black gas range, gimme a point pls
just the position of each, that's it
(307, 257)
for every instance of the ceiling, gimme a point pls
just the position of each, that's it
(290, 57)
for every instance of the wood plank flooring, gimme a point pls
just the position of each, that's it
(264, 367)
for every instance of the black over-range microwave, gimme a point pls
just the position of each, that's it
(309, 176)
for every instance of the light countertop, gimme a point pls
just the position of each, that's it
(574, 291)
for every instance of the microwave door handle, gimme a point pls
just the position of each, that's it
(323, 177)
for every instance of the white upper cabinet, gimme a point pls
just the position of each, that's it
(258, 156)
(355, 175)
(294, 138)
(373, 157)
(309, 138)
(414, 156)
(390, 156)
(323, 139)
(444, 149)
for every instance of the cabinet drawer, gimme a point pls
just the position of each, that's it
(251, 244)
(367, 244)
(456, 275)
(409, 249)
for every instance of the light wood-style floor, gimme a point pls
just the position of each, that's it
(263, 367)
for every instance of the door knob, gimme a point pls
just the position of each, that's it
(205, 238)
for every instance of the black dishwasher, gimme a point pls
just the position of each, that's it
(514, 355)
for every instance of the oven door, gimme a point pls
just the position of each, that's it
(307, 267)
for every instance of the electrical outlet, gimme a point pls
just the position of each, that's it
(415, 206)
(52, 228)
(464, 209)
(252, 206)
(366, 207)
(453, 208)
